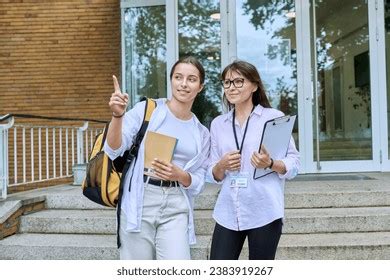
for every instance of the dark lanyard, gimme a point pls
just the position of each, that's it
(246, 128)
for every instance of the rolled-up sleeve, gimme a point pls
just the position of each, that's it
(132, 121)
(291, 161)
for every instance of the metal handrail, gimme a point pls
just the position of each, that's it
(31, 153)
(7, 116)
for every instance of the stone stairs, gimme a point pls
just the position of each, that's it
(335, 219)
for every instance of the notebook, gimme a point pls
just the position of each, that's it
(159, 146)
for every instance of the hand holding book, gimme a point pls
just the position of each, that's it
(158, 147)
(170, 172)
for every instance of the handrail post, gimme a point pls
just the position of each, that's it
(4, 175)
(80, 143)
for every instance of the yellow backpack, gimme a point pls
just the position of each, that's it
(103, 183)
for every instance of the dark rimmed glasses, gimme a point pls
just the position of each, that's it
(238, 83)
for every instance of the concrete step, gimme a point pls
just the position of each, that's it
(72, 198)
(33, 246)
(336, 193)
(334, 246)
(316, 220)
(70, 221)
(298, 194)
(347, 246)
(58, 247)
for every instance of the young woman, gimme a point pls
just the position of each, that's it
(157, 214)
(252, 208)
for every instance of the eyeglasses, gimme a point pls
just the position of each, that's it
(238, 83)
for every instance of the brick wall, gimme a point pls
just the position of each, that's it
(57, 57)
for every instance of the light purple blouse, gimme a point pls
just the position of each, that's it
(263, 200)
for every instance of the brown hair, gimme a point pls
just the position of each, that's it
(190, 60)
(250, 72)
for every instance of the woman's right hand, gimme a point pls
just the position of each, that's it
(118, 100)
(229, 162)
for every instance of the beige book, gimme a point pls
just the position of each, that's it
(159, 146)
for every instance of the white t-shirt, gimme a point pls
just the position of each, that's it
(184, 131)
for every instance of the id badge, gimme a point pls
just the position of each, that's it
(239, 180)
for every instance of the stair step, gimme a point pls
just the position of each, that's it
(325, 219)
(347, 246)
(320, 246)
(70, 221)
(343, 194)
(335, 246)
(296, 221)
(359, 219)
(74, 199)
(298, 194)
(321, 220)
(33, 246)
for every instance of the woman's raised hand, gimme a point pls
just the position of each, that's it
(118, 100)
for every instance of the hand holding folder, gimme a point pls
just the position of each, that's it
(275, 138)
(159, 146)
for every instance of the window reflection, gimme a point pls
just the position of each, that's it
(145, 52)
(340, 33)
(266, 38)
(200, 35)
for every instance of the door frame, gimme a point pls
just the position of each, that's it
(305, 74)
(312, 166)
(307, 92)
(380, 58)
(171, 33)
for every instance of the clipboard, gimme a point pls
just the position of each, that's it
(276, 138)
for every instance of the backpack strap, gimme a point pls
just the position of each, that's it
(150, 105)
(105, 130)
(149, 108)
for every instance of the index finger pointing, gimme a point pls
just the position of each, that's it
(116, 84)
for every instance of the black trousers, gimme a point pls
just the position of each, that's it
(263, 241)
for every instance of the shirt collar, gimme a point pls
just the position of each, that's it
(258, 110)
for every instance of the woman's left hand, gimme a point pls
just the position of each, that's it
(170, 172)
(262, 159)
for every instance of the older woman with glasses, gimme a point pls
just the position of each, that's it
(246, 207)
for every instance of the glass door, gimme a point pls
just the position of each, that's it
(199, 35)
(344, 129)
(264, 34)
(155, 33)
(318, 59)
(144, 49)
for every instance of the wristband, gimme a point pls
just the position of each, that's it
(271, 164)
(118, 117)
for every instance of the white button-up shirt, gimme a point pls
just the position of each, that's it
(132, 202)
(262, 201)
